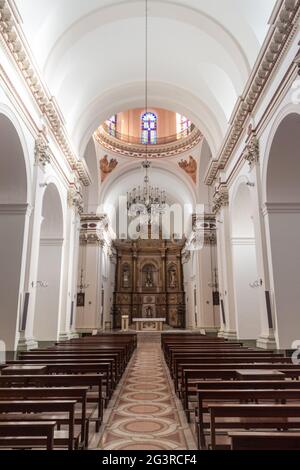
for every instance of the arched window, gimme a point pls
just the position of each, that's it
(112, 125)
(149, 128)
(183, 125)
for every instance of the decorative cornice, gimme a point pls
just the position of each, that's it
(286, 24)
(172, 149)
(15, 45)
(251, 152)
(51, 241)
(15, 209)
(243, 241)
(220, 198)
(281, 208)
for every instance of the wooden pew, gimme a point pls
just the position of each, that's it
(74, 356)
(265, 441)
(78, 380)
(192, 378)
(242, 396)
(24, 435)
(180, 360)
(65, 393)
(253, 416)
(8, 410)
(105, 369)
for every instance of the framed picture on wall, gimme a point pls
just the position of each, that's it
(216, 298)
(80, 299)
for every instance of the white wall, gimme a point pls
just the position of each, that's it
(46, 326)
(246, 298)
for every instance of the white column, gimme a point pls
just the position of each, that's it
(48, 298)
(266, 338)
(226, 274)
(206, 311)
(27, 340)
(283, 239)
(88, 317)
(14, 228)
(70, 265)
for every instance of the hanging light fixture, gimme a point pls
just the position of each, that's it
(150, 197)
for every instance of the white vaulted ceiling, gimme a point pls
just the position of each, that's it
(91, 55)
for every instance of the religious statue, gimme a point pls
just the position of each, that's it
(126, 279)
(149, 312)
(106, 167)
(172, 278)
(149, 279)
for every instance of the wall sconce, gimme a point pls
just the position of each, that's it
(256, 284)
(251, 185)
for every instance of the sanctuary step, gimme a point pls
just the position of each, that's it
(148, 337)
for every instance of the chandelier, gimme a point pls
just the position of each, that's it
(147, 199)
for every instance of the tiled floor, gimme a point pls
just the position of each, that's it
(145, 413)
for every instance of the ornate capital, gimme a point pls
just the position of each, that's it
(75, 199)
(204, 228)
(220, 199)
(42, 152)
(251, 153)
(95, 230)
(297, 61)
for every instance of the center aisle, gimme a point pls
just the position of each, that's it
(146, 414)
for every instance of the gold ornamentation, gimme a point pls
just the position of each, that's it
(106, 167)
(190, 167)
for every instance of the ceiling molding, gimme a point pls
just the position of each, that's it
(19, 51)
(154, 152)
(282, 33)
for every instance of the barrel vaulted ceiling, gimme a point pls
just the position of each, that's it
(91, 56)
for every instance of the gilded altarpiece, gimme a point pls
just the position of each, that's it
(149, 281)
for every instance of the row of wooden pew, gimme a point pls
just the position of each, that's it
(49, 397)
(236, 397)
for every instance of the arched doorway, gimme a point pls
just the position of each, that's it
(245, 272)
(13, 229)
(282, 189)
(47, 309)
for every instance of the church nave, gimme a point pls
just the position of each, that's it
(147, 414)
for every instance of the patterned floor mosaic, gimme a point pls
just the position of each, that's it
(145, 412)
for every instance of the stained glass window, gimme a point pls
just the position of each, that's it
(149, 128)
(183, 126)
(112, 125)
